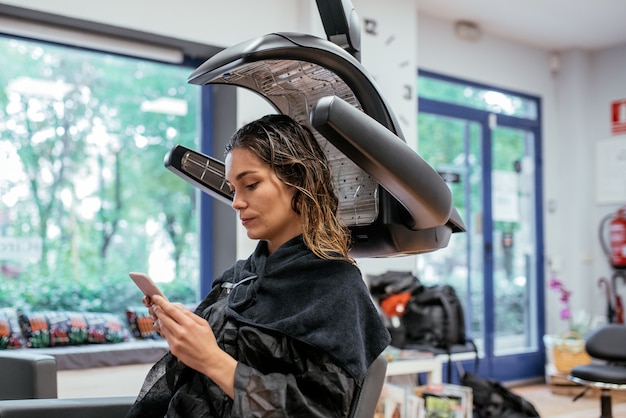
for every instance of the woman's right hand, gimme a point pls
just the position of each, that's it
(192, 341)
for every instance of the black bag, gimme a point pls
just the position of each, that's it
(392, 282)
(432, 320)
(434, 317)
(492, 400)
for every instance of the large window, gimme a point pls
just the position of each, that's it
(84, 195)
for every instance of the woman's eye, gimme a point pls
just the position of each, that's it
(251, 186)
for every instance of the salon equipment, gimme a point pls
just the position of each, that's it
(607, 371)
(393, 202)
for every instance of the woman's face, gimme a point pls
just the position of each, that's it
(261, 199)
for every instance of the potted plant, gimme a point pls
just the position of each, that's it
(568, 349)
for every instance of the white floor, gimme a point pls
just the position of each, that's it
(101, 382)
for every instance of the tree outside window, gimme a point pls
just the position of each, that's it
(84, 195)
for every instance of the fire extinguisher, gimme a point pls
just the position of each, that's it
(616, 250)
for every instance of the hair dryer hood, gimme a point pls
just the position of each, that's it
(393, 202)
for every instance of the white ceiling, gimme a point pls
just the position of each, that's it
(555, 25)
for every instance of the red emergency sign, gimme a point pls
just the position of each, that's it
(618, 117)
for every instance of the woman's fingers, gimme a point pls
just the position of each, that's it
(177, 323)
(153, 307)
(157, 326)
(171, 318)
(146, 301)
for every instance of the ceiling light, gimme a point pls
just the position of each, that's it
(467, 30)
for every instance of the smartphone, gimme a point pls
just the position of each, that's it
(146, 284)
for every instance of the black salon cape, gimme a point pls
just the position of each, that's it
(321, 305)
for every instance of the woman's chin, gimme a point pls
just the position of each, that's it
(253, 236)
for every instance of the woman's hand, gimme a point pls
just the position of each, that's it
(147, 302)
(192, 341)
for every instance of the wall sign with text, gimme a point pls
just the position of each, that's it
(610, 169)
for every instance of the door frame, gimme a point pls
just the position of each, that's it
(527, 365)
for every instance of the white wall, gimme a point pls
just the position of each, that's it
(575, 104)
(218, 23)
(576, 88)
(605, 84)
(572, 230)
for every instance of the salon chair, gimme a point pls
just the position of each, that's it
(105, 407)
(366, 397)
(27, 375)
(28, 388)
(607, 370)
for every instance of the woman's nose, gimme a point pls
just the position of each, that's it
(238, 203)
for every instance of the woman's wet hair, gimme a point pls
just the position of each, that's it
(294, 154)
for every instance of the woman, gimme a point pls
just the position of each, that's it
(291, 330)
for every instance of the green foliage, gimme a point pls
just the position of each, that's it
(112, 294)
(87, 176)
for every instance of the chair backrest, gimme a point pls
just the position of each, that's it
(607, 343)
(366, 397)
(27, 375)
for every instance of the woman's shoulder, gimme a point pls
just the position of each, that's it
(335, 266)
(339, 277)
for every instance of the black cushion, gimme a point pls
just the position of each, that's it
(603, 373)
(607, 343)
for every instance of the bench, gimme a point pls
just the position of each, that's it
(30, 385)
(88, 356)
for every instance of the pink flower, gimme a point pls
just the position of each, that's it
(555, 284)
(565, 294)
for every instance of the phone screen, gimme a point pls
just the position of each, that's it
(145, 284)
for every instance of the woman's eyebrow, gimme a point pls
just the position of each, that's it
(244, 173)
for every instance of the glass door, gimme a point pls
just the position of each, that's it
(513, 237)
(489, 161)
(453, 147)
